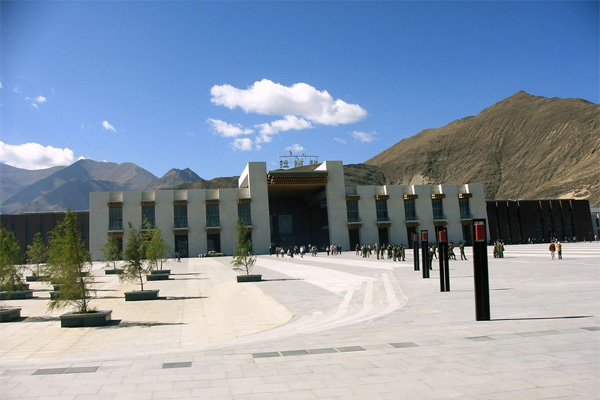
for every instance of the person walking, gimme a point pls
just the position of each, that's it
(451, 255)
(559, 250)
(461, 246)
(552, 249)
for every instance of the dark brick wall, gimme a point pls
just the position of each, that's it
(518, 221)
(25, 226)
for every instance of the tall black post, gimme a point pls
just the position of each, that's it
(416, 250)
(425, 249)
(443, 256)
(480, 271)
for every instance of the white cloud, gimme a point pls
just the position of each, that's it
(268, 98)
(36, 100)
(339, 140)
(35, 156)
(228, 130)
(364, 137)
(295, 148)
(244, 144)
(1, 85)
(106, 125)
(290, 122)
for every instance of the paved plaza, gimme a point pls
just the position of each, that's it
(325, 327)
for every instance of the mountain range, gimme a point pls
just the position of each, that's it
(523, 147)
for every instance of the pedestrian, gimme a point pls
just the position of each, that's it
(433, 250)
(552, 248)
(559, 250)
(451, 255)
(461, 246)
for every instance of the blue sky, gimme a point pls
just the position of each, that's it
(214, 85)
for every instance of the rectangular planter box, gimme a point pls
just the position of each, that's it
(249, 278)
(35, 278)
(160, 271)
(140, 295)
(77, 320)
(17, 295)
(22, 286)
(157, 277)
(115, 271)
(10, 314)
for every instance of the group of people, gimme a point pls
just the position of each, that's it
(396, 252)
(302, 250)
(555, 247)
(498, 249)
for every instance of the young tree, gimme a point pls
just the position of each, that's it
(37, 253)
(134, 254)
(10, 257)
(112, 251)
(69, 265)
(156, 247)
(243, 259)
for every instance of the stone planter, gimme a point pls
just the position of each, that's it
(21, 286)
(141, 295)
(35, 278)
(10, 314)
(157, 277)
(17, 295)
(78, 320)
(249, 278)
(113, 271)
(160, 271)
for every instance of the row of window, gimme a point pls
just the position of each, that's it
(115, 216)
(180, 216)
(410, 211)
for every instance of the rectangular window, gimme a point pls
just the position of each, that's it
(410, 212)
(148, 214)
(438, 209)
(465, 209)
(352, 211)
(115, 219)
(180, 212)
(244, 213)
(382, 212)
(212, 215)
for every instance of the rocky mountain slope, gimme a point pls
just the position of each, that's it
(524, 147)
(55, 189)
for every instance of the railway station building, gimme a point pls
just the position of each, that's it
(287, 208)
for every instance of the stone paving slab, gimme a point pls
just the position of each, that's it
(382, 332)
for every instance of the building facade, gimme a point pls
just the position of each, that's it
(288, 208)
(595, 212)
(25, 226)
(537, 221)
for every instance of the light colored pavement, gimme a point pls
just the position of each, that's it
(323, 327)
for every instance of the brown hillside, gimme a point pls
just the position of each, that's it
(524, 147)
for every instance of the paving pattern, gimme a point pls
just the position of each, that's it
(325, 327)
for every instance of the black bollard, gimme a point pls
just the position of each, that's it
(443, 256)
(425, 249)
(480, 271)
(416, 251)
